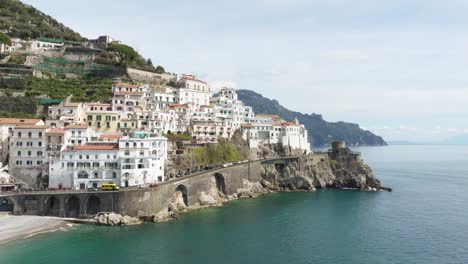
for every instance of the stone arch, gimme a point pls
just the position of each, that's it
(181, 190)
(93, 205)
(51, 206)
(220, 183)
(31, 205)
(7, 204)
(72, 207)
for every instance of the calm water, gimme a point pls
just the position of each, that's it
(425, 220)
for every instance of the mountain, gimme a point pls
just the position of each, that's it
(321, 132)
(19, 20)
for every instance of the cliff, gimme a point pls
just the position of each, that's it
(337, 169)
(321, 132)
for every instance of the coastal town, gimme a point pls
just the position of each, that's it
(93, 132)
(137, 137)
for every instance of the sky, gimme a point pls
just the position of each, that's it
(398, 68)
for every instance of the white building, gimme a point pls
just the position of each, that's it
(133, 160)
(192, 91)
(264, 130)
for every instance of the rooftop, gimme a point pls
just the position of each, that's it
(79, 126)
(19, 121)
(98, 147)
(31, 127)
(56, 131)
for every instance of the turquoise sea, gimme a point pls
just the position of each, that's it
(424, 220)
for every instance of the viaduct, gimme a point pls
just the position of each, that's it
(137, 202)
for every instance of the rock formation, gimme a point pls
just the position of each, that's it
(113, 219)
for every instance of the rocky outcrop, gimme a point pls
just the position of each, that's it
(320, 172)
(113, 219)
(343, 170)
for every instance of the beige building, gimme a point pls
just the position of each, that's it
(28, 153)
(6, 131)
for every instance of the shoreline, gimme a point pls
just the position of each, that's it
(14, 228)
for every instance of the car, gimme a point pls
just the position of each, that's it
(110, 187)
(208, 167)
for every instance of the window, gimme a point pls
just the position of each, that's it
(83, 175)
(87, 157)
(29, 162)
(19, 134)
(19, 144)
(39, 143)
(40, 134)
(29, 153)
(39, 153)
(90, 118)
(29, 134)
(114, 174)
(127, 144)
(108, 124)
(142, 153)
(19, 162)
(127, 153)
(39, 162)
(99, 124)
(98, 118)
(96, 175)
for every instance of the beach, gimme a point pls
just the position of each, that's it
(20, 227)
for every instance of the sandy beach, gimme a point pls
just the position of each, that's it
(19, 227)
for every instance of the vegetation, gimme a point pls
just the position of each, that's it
(5, 39)
(18, 106)
(4, 114)
(179, 137)
(85, 89)
(225, 151)
(127, 56)
(26, 22)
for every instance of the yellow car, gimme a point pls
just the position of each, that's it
(110, 187)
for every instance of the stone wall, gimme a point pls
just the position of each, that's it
(207, 188)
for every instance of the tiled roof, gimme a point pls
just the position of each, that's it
(115, 137)
(79, 126)
(191, 78)
(72, 104)
(126, 85)
(56, 131)
(129, 92)
(97, 147)
(19, 121)
(31, 127)
(180, 105)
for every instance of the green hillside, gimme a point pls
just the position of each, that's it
(23, 21)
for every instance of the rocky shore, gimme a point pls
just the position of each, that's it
(337, 169)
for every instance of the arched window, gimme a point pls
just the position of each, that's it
(83, 175)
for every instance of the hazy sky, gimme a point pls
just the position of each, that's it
(398, 68)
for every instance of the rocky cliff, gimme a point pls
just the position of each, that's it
(339, 169)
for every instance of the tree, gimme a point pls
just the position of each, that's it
(4, 38)
(160, 69)
(124, 52)
(149, 62)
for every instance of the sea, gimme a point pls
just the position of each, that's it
(424, 220)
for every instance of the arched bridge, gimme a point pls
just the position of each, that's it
(139, 202)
